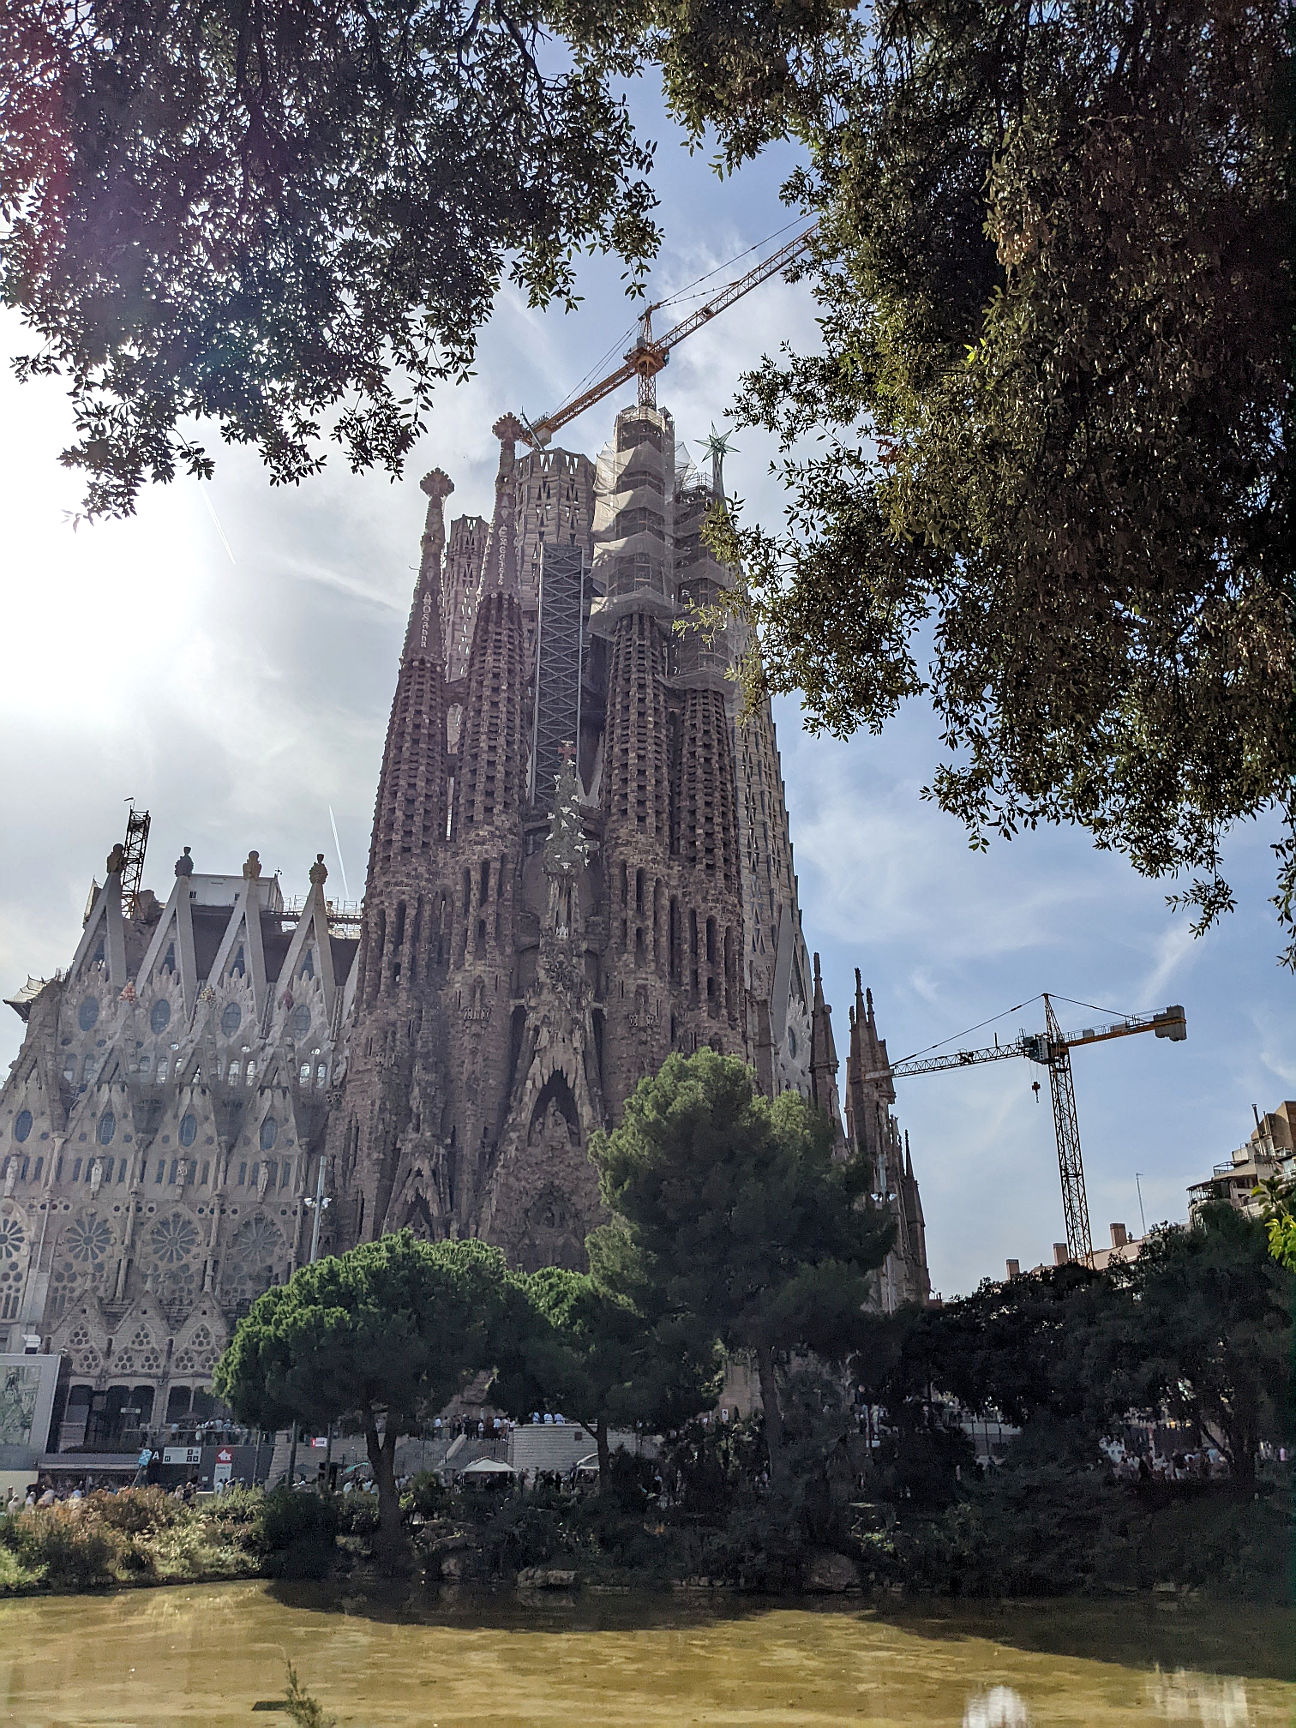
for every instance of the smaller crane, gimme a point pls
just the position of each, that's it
(1052, 1050)
(650, 353)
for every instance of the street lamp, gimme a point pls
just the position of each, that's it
(319, 1203)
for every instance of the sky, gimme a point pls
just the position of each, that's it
(227, 658)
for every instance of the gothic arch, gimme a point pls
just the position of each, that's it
(557, 1092)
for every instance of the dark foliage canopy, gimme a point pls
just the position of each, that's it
(1198, 1326)
(1052, 398)
(1052, 403)
(289, 216)
(594, 1356)
(732, 1209)
(388, 1332)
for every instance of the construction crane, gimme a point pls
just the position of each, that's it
(133, 850)
(1052, 1050)
(650, 353)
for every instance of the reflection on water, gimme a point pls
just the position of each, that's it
(201, 1657)
(1210, 1700)
(1000, 1707)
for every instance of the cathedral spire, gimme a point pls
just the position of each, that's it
(410, 812)
(492, 764)
(423, 633)
(823, 1052)
(501, 574)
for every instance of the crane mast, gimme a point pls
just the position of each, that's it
(1066, 1125)
(650, 353)
(1052, 1050)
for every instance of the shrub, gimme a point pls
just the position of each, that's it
(428, 1495)
(297, 1533)
(136, 1511)
(15, 1574)
(357, 1514)
(235, 1517)
(526, 1532)
(72, 1552)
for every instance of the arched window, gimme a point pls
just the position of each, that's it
(269, 1134)
(231, 1019)
(22, 1125)
(160, 1015)
(188, 1128)
(87, 1012)
(106, 1128)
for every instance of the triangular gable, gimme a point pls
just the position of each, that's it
(104, 925)
(244, 929)
(174, 935)
(312, 932)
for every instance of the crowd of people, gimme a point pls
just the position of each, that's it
(44, 1492)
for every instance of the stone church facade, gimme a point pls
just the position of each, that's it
(580, 862)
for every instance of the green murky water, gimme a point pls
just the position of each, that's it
(203, 1656)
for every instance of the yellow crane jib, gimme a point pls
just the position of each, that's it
(649, 354)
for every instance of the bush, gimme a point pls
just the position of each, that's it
(70, 1551)
(15, 1577)
(136, 1511)
(357, 1514)
(235, 1516)
(428, 1495)
(525, 1533)
(761, 1546)
(1040, 1530)
(297, 1533)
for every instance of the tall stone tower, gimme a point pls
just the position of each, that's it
(580, 862)
(581, 858)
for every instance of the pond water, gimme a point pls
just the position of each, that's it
(205, 1655)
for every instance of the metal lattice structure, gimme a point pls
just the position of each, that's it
(650, 353)
(1052, 1050)
(135, 846)
(1075, 1201)
(560, 649)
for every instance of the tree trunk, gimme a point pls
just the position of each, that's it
(773, 1413)
(391, 1549)
(604, 1453)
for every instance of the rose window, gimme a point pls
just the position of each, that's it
(255, 1252)
(88, 1240)
(173, 1239)
(12, 1237)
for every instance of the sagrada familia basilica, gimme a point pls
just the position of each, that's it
(580, 863)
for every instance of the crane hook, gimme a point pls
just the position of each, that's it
(1035, 1088)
